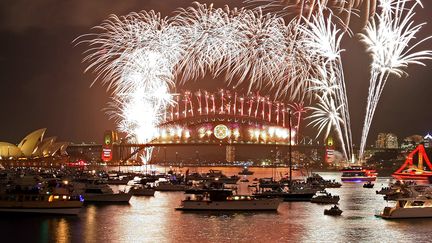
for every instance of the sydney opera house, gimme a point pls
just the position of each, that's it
(34, 151)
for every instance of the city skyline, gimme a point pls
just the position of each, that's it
(54, 93)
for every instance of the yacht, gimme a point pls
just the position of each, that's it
(168, 186)
(417, 207)
(94, 190)
(358, 174)
(142, 190)
(40, 200)
(325, 197)
(224, 200)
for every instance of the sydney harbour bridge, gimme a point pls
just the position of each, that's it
(223, 118)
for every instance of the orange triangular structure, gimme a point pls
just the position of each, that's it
(409, 161)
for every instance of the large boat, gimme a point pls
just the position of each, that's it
(224, 200)
(409, 171)
(94, 190)
(169, 186)
(417, 207)
(37, 200)
(358, 174)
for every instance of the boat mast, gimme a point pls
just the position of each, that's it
(290, 147)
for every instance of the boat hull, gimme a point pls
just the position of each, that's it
(408, 176)
(288, 197)
(405, 213)
(57, 211)
(357, 179)
(120, 197)
(171, 188)
(142, 192)
(249, 205)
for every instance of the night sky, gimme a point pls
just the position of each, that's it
(43, 84)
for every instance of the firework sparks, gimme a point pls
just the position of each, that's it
(389, 40)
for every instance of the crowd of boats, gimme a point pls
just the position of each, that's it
(66, 191)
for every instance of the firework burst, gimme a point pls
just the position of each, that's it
(389, 39)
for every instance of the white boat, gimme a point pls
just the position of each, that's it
(325, 197)
(223, 200)
(141, 190)
(57, 202)
(97, 191)
(418, 207)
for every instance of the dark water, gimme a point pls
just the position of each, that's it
(153, 219)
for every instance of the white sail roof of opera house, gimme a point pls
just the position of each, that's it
(29, 143)
(8, 150)
(33, 145)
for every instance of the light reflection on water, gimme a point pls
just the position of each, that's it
(153, 219)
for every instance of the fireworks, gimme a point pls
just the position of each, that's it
(307, 8)
(389, 40)
(140, 58)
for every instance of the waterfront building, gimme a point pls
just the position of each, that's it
(428, 141)
(412, 141)
(387, 141)
(34, 151)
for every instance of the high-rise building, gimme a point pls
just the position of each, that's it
(428, 141)
(387, 140)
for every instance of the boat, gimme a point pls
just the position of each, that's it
(246, 171)
(224, 200)
(325, 197)
(244, 180)
(333, 211)
(38, 200)
(358, 174)
(142, 190)
(94, 190)
(415, 207)
(317, 181)
(217, 175)
(368, 185)
(409, 171)
(168, 186)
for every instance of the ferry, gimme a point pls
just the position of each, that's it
(224, 200)
(358, 174)
(418, 207)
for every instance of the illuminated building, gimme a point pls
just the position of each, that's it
(34, 151)
(387, 141)
(427, 141)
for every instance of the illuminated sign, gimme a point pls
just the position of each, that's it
(106, 154)
(220, 131)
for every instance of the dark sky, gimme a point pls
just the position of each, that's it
(43, 85)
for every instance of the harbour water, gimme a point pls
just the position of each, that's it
(153, 219)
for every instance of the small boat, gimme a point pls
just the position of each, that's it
(334, 211)
(417, 207)
(244, 180)
(368, 185)
(246, 171)
(142, 190)
(325, 197)
(224, 200)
